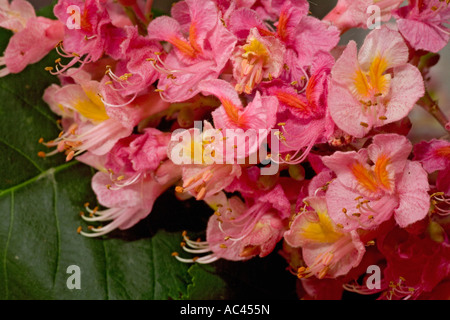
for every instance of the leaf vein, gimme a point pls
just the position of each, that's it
(58, 231)
(11, 220)
(40, 176)
(23, 154)
(48, 117)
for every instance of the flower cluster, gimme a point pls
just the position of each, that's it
(297, 141)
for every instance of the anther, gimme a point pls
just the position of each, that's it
(323, 273)
(70, 155)
(201, 194)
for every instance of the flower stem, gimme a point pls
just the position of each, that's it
(432, 108)
(148, 9)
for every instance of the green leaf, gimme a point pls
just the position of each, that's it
(39, 242)
(206, 284)
(40, 201)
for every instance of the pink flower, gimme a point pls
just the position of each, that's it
(260, 58)
(270, 9)
(252, 122)
(33, 38)
(240, 231)
(434, 156)
(327, 250)
(319, 184)
(92, 38)
(245, 237)
(130, 203)
(355, 13)
(265, 9)
(304, 118)
(376, 183)
(305, 37)
(415, 264)
(90, 125)
(133, 73)
(423, 24)
(15, 15)
(302, 37)
(206, 167)
(136, 154)
(132, 175)
(202, 55)
(376, 87)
